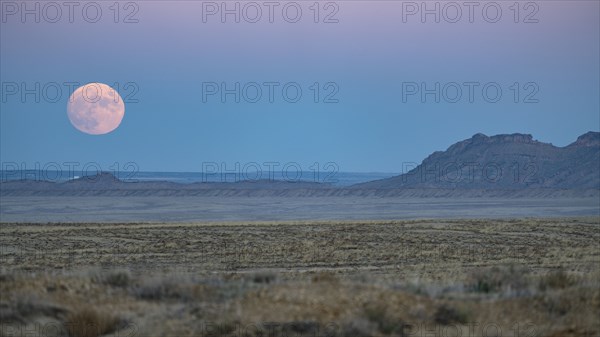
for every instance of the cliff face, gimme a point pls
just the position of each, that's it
(589, 139)
(514, 161)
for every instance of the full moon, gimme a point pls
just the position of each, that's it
(95, 109)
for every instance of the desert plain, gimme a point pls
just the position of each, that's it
(422, 277)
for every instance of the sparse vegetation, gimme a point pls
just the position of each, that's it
(356, 279)
(115, 278)
(88, 322)
(163, 288)
(446, 314)
(325, 276)
(383, 319)
(557, 279)
(20, 307)
(508, 279)
(265, 277)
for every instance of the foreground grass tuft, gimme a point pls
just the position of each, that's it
(116, 278)
(497, 279)
(384, 320)
(447, 315)
(88, 322)
(558, 279)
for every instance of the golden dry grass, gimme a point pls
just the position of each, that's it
(521, 277)
(88, 322)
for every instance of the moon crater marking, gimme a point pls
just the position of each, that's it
(95, 109)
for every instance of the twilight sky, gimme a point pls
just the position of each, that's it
(371, 62)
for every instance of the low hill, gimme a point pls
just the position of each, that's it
(504, 162)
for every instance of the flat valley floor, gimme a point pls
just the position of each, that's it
(43, 209)
(470, 277)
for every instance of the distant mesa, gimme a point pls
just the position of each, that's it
(504, 162)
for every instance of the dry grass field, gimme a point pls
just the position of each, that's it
(519, 277)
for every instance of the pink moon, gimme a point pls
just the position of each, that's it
(95, 109)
